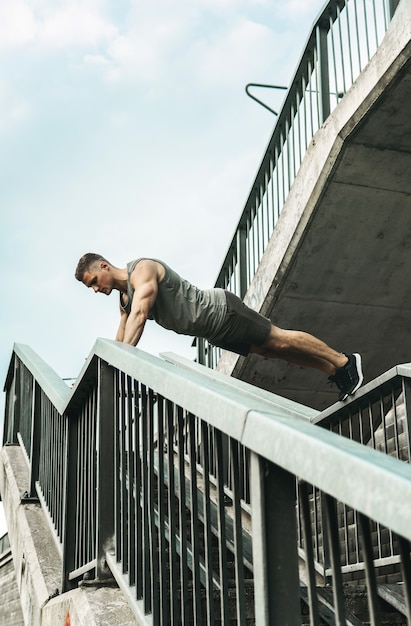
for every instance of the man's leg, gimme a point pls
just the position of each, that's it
(301, 348)
(304, 349)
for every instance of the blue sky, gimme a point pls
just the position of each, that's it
(125, 130)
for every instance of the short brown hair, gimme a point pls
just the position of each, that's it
(85, 262)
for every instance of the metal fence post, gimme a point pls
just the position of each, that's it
(323, 73)
(35, 440)
(13, 406)
(276, 577)
(242, 261)
(9, 412)
(105, 467)
(70, 506)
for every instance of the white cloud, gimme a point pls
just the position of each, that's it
(75, 25)
(247, 49)
(13, 110)
(71, 24)
(295, 8)
(17, 23)
(146, 47)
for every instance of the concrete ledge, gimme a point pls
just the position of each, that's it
(87, 606)
(37, 562)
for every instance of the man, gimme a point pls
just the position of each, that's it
(149, 289)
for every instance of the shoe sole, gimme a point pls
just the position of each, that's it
(358, 363)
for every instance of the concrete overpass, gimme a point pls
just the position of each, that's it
(338, 262)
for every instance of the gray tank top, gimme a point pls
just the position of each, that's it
(182, 307)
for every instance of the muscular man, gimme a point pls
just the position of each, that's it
(149, 289)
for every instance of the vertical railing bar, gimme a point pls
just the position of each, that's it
(287, 151)
(147, 572)
(242, 261)
(310, 87)
(105, 478)
(383, 423)
(76, 495)
(298, 121)
(349, 40)
(163, 569)
(395, 420)
(366, 30)
(341, 49)
(58, 489)
(404, 550)
(309, 552)
(89, 527)
(138, 515)
(386, 13)
(93, 474)
(117, 482)
(361, 425)
(86, 500)
(195, 539)
(70, 535)
(316, 71)
(258, 226)
(267, 205)
(357, 537)
(316, 523)
(275, 556)
(80, 492)
(366, 543)
(238, 535)
(123, 474)
(375, 24)
(371, 423)
(132, 494)
(277, 173)
(292, 122)
(155, 582)
(182, 519)
(406, 390)
(332, 533)
(222, 554)
(357, 27)
(207, 524)
(345, 522)
(334, 56)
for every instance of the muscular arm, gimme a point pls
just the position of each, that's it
(144, 279)
(122, 326)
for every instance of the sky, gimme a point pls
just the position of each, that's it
(125, 130)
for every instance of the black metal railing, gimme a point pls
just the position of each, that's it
(343, 39)
(378, 417)
(143, 448)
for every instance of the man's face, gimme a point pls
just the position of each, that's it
(99, 278)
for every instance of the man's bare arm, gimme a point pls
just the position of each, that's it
(144, 280)
(122, 326)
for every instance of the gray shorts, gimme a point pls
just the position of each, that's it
(242, 327)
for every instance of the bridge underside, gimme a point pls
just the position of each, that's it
(340, 269)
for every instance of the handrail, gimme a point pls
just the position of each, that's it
(125, 409)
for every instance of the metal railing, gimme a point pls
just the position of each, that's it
(134, 505)
(345, 36)
(378, 417)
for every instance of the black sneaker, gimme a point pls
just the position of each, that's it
(349, 377)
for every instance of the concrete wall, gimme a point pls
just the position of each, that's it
(338, 261)
(10, 607)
